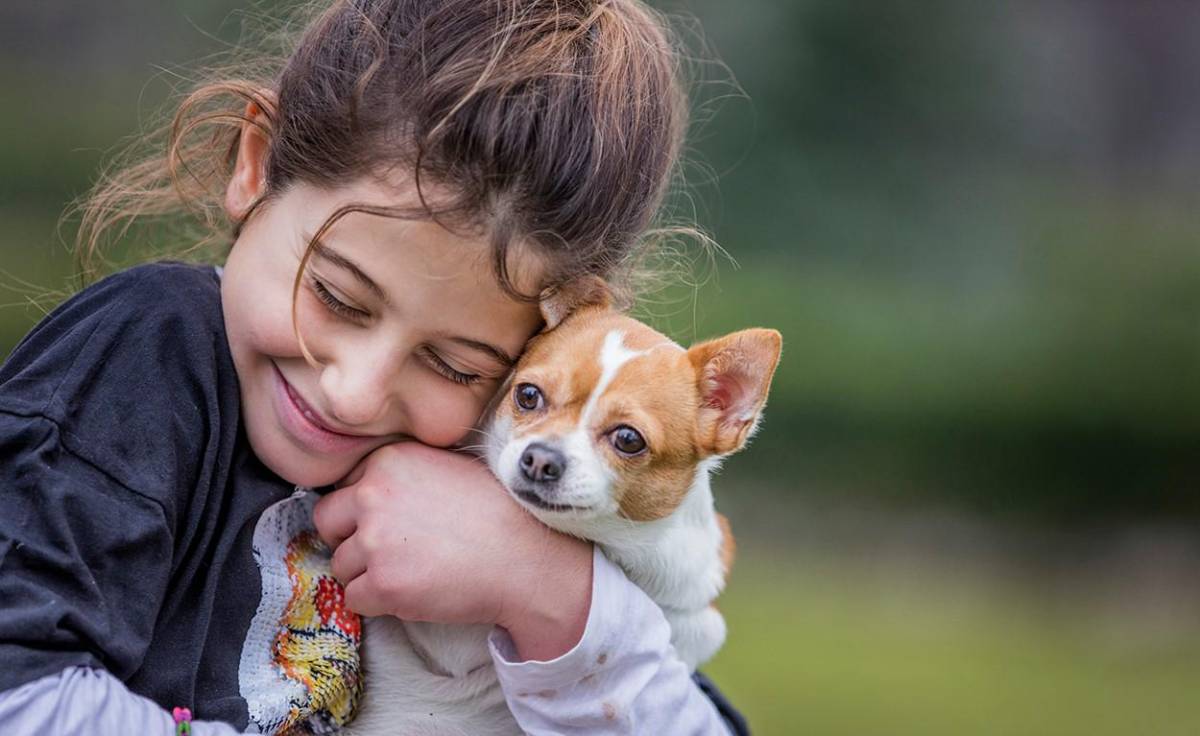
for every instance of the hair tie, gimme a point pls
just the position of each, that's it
(183, 721)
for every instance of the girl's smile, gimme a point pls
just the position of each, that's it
(309, 429)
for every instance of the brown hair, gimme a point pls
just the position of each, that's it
(554, 121)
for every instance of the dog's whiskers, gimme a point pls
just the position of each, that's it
(472, 448)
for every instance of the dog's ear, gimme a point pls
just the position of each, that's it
(733, 375)
(559, 302)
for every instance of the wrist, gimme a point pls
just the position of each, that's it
(549, 613)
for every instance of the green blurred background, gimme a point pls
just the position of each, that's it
(972, 506)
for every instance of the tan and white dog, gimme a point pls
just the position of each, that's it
(608, 431)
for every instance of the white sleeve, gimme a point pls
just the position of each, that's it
(623, 676)
(81, 701)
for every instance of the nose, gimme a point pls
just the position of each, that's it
(541, 463)
(358, 389)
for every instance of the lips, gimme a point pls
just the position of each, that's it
(307, 428)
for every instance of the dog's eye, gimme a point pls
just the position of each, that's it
(528, 397)
(628, 440)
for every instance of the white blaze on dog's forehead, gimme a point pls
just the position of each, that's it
(613, 355)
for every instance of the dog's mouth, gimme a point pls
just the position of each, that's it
(532, 498)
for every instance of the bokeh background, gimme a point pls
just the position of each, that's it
(973, 506)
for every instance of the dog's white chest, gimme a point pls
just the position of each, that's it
(411, 692)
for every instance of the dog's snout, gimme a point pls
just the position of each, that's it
(541, 463)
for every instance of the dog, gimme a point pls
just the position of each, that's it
(606, 430)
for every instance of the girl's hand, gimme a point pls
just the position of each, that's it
(430, 535)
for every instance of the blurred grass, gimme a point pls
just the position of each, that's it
(1057, 384)
(833, 648)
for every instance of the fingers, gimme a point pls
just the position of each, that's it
(335, 515)
(363, 599)
(384, 588)
(349, 560)
(362, 592)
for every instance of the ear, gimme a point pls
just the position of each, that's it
(733, 374)
(248, 182)
(560, 302)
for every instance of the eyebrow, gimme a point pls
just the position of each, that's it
(329, 254)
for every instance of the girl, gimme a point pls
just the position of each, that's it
(399, 192)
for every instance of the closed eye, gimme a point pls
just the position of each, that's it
(439, 365)
(335, 305)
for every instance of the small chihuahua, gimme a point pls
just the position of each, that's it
(608, 431)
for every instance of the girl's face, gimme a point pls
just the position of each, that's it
(410, 329)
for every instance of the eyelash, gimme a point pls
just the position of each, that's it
(335, 305)
(342, 309)
(442, 367)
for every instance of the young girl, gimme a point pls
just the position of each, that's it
(399, 192)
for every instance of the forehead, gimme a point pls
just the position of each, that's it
(447, 249)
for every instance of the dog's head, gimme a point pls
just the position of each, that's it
(606, 418)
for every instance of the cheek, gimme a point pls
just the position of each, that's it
(269, 333)
(269, 330)
(443, 416)
(262, 322)
(653, 491)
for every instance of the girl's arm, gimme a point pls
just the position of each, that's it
(429, 535)
(621, 678)
(81, 701)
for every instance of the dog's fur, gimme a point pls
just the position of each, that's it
(651, 512)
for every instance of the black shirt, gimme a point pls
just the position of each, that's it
(129, 494)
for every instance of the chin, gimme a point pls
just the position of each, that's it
(317, 477)
(299, 468)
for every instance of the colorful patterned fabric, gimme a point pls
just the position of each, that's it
(303, 641)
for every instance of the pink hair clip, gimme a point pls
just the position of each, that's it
(183, 721)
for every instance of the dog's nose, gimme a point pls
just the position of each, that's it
(542, 464)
